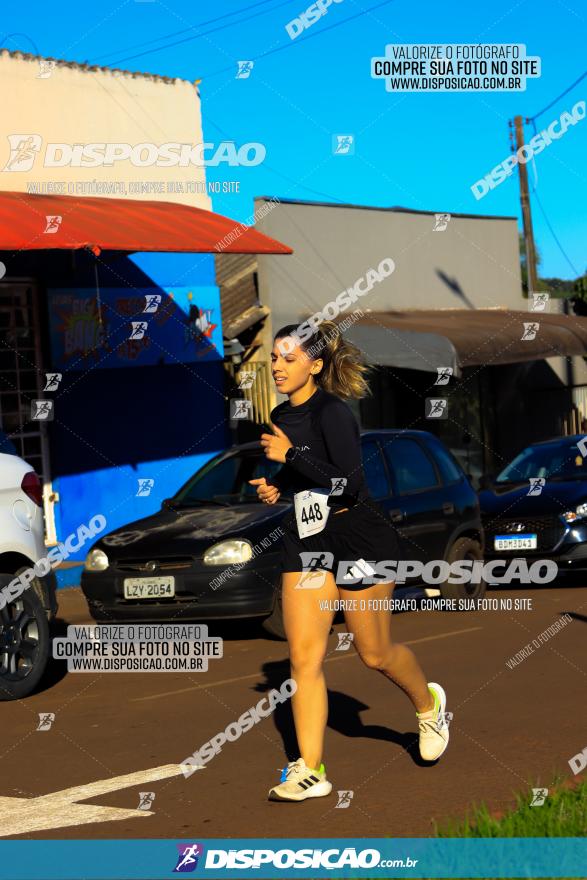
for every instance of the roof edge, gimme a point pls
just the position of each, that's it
(93, 68)
(395, 209)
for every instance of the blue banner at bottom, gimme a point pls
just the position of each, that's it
(294, 857)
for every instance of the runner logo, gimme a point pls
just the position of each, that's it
(436, 408)
(312, 559)
(152, 302)
(444, 374)
(187, 860)
(445, 719)
(343, 144)
(344, 641)
(138, 329)
(240, 409)
(539, 302)
(246, 379)
(145, 486)
(338, 485)
(244, 69)
(46, 68)
(42, 410)
(46, 719)
(52, 381)
(530, 331)
(539, 795)
(146, 799)
(344, 799)
(53, 222)
(441, 222)
(537, 484)
(23, 151)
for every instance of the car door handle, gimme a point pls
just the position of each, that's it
(396, 515)
(448, 507)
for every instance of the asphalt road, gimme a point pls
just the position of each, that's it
(118, 734)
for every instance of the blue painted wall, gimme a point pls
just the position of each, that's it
(120, 420)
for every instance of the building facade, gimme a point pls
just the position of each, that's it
(453, 299)
(133, 413)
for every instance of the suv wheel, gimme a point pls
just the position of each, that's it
(24, 643)
(464, 548)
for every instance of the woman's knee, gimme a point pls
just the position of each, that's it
(380, 658)
(372, 659)
(305, 659)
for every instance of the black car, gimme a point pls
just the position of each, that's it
(536, 508)
(213, 549)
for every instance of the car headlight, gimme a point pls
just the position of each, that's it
(579, 512)
(229, 552)
(96, 560)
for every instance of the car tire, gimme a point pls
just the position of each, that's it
(26, 619)
(274, 623)
(464, 548)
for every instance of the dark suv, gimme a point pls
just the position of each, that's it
(213, 549)
(536, 508)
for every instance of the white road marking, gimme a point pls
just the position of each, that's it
(341, 656)
(60, 808)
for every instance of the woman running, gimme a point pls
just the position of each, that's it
(316, 437)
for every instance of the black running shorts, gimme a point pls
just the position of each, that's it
(363, 533)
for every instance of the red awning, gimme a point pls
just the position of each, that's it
(123, 225)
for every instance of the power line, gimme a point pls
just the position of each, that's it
(316, 192)
(547, 221)
(263, 54)
(18, 34)
(562, 94)
(197, 36)
(305, 39)
(184, 30)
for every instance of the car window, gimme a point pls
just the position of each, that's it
(449, 469)
(262, 467)
(6, 445)
(227, 480)
(374, 469)
(553, 462)
(411, 465)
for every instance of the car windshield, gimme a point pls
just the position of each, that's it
(226, 482)
(564, 462)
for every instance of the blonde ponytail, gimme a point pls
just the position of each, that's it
(344, 370)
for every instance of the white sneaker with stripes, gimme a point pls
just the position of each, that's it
(299, 782)
(433, 725)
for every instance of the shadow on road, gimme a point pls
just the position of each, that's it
(344, 716)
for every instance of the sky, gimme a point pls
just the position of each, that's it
(416, 150)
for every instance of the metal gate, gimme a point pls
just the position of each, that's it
(22, 380)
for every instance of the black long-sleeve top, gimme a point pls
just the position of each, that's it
(327, 437)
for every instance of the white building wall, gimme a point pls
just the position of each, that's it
(85, 105)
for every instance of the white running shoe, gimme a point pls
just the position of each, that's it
(299, 782)
(433, 725)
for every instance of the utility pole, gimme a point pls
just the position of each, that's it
(526, 213)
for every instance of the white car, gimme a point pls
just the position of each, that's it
(24, 621)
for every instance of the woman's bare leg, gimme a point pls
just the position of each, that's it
(307, 628)
(371, 630)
